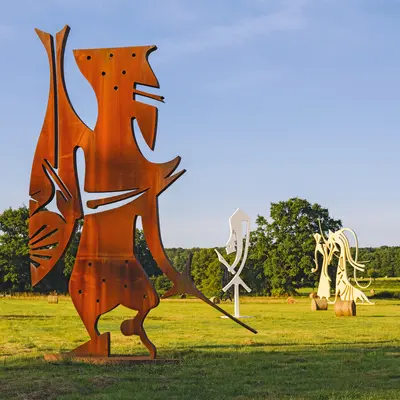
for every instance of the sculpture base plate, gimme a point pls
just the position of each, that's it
(125, 360)
(242, 316)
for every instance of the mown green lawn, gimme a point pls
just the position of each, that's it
(297, 354)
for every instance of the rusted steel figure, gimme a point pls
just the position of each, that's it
(106, 272)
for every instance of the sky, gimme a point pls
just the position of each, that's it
(265, 100)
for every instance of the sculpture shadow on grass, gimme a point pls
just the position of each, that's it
(332, 373)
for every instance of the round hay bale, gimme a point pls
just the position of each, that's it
(318, 304)
(313, 295)
(215, 299)
(345, 308)
(290, 300)
(52, 299)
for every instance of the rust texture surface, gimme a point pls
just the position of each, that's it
(106, 271)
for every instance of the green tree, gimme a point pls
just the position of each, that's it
(72, 250)
(15, 273)
(254, 274)
(14, 251)
(285, 246)
(161, 283)
(206, 271)
(211, 284)
(179, 257)
(144, 256)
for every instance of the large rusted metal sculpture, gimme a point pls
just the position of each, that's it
(106, 272)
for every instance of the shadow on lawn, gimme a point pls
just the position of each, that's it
(335, 373)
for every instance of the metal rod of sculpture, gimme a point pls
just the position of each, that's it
(107, 272)
(235, 244)
(337, 244)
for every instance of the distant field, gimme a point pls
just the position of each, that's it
(297, 354)
(377, 285)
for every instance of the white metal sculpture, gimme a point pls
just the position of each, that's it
(337, 244)
(235, 244)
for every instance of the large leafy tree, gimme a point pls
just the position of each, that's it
(205, 272)
(285, 245)
(70, 254)
(381, 261)
(179, 257)
(14, 256)
(144, 256)
(14, 251)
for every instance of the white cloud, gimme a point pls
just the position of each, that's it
(288, 17)
(240, 80)
(164, 12)
(169, 12)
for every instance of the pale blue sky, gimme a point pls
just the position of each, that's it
(265, 100)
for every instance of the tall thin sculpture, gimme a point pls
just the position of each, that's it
(106, 272)
(337, 244)
(235, 244)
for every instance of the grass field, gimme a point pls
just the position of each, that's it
(297, 354)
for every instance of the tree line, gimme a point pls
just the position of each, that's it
(280, 259)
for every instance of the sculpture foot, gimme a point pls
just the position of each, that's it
(98, 347)
(135, 327)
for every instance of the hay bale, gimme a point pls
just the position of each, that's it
(290, 300)
(313, 295)
(215, 299)
(52, 299)
(345, 308)
(318, 304)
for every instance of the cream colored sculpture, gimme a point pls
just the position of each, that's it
(337, 244)
(235, 244)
